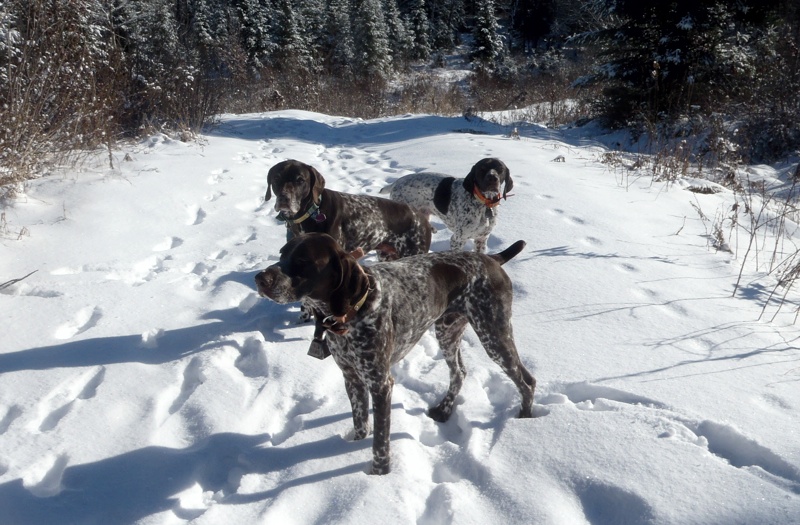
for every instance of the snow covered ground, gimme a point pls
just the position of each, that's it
(142, 380)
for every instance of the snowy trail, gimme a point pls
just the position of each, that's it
(144, 381)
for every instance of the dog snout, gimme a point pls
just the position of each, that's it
(276, 285)
(265, 281)
(282, 201)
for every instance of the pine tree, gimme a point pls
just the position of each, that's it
(446, 20)
(255, 21)
(339, 30)
(488, 49)
(533, 19)
(660, 59)
(373, 58)
(419, 28)
(294, 51)
(400, 41)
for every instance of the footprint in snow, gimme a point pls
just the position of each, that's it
(193, 377)
(721, 440)
(252, 360)
(43, 480)
(168, 244)
(63, 400)
(294, 420)
(606, 503)
(196, 215)
(13, 412)
(84, 319)
(592, 241)
(141, 272)
(626, 267)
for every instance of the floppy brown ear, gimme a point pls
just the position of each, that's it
(509, 183)
(317, 183)
(344, 296)
(270, 180)
(469, 180)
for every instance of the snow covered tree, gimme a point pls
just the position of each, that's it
(419, 29)
(255, 23)
(488, 49)
(294, 51)
(663, 57)
(373, 57)
(400, 41)
(446, 21)
(314, 14)
(340, 45)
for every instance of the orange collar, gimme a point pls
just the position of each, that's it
(489, 203)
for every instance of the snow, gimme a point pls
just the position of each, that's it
(142, 380)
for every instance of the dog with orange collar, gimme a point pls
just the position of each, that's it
(467, 206)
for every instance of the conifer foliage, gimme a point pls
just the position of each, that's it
(77, 74)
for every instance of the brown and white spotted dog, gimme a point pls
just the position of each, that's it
(357, 222)
(390, 228)
(467, 206)
(376, 315)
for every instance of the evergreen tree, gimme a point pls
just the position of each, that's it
(400, 41)
(293, 48)
(533, 19)
(487, 47)
(314, 13)
(419, 29)
(373, 58)
(660, 58)
(255, 21)
(446, 20)
(339, 30)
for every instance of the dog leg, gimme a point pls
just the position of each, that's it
(382, 412)
(359, 402)
(306, 314)
(449, 329)
(501, 348)
(480, 244)
(457, 242)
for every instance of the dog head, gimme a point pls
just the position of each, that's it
(489, 175)
(313, 265)
(297, 186)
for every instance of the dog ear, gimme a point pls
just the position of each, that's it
(317, 183)
(343, 297)
(509, 182)
(469, 180)
(270, 181)
(443, 193)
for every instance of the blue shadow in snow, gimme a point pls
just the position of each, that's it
(350, 132)
(267, 317)
(137, 484)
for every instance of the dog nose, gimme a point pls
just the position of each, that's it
(492, 177)
(265, 281)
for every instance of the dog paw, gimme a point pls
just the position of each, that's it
(357, 434)
(439, 414)
(525, 413)
(379, 469)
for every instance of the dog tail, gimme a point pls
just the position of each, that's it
(509, 253)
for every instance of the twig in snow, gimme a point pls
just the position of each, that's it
(14, 281)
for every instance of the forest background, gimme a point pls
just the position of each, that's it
(716, 82)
